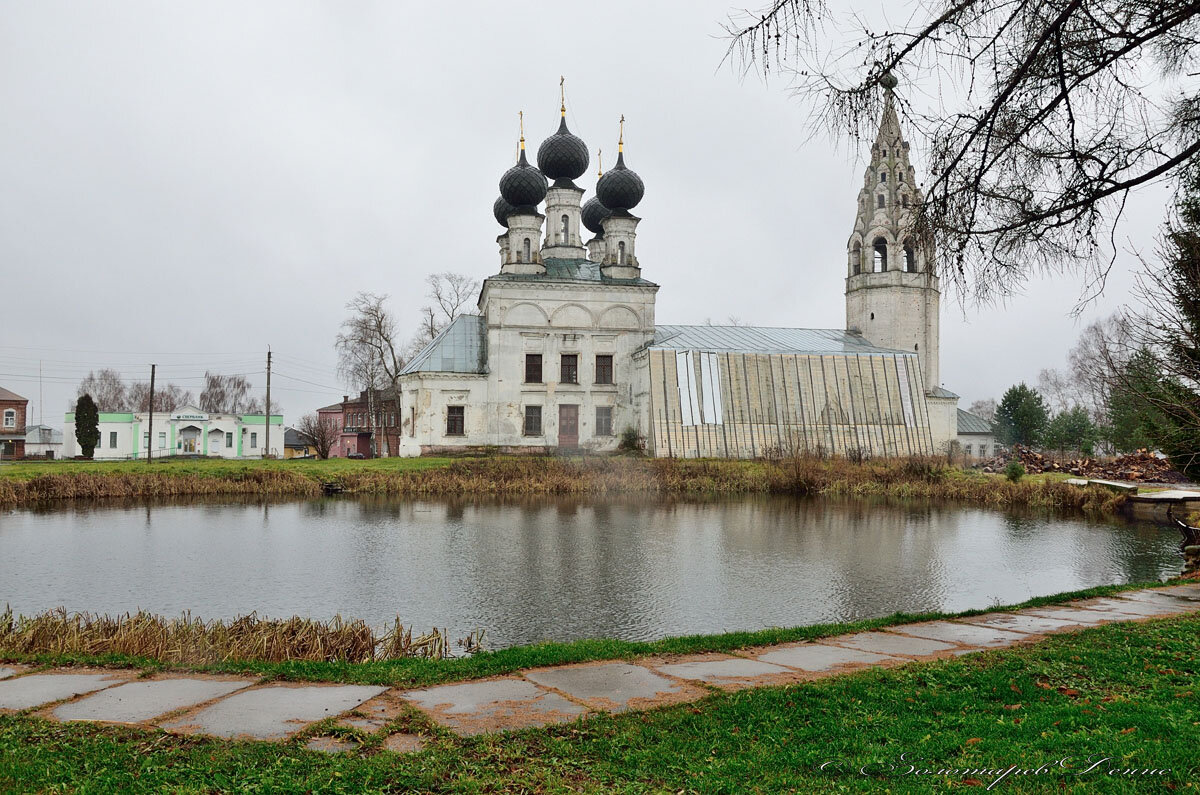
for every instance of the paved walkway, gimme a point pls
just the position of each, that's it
(225, 706)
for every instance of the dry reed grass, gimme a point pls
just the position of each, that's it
(918, 477)
(188, 640)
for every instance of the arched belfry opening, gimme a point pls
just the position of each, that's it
(910, 257)
(856, 258)
(880, 263)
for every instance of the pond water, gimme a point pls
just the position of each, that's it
(557, 569)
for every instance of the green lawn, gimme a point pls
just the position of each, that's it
(1128, 694)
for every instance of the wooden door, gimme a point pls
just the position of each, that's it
(568, 426)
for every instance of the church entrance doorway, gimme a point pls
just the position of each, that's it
(568, 426)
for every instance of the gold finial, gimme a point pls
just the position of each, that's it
(621, 137)
(521, 114)
(562, 93)
(599, 164)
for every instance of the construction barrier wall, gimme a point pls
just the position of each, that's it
(752, 405)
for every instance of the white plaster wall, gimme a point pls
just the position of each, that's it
(943, 422)
(556, 318)
(898, 310)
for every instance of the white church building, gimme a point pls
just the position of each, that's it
(566, 352)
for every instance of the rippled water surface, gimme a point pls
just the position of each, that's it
(560, 570)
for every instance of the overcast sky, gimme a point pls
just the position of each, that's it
(188, 183)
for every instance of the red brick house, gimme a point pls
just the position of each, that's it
(13, 409)
(360, 428)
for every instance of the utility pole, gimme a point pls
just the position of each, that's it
(150, 439)
(267, 449)
(41, 405)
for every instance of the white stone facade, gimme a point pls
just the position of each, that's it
(590, 317)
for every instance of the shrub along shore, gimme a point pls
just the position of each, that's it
(908, 478)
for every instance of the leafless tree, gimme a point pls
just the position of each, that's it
(451, 294)
(321, 431)
(1047, 113)
(370, 353)
(167, 397)
(106, 388)
(230, 394)
(984, 408)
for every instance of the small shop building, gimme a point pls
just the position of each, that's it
(187, 431)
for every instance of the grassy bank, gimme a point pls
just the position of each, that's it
(920, 478)
(326, 652)
(1126, 694)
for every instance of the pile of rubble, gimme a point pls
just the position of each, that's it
(1141, 466)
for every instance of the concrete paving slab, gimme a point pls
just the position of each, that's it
(1179, 601)
(493, 705)
(962, 634)
(331, 745)
(365, 724)
(726, 671)
(6, 672)
(1023, 622)
(270, 713)
(1190, 590)
(888, 643)
(404, 743)
(818, 657)
(614, 686)
(1075, 614)
(34, 690)
(135, 702)
(1129, 606)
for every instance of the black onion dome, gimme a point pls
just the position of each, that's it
(563, 155)
(502, 209)
(594, 213)
(523, 185)
(620, 188)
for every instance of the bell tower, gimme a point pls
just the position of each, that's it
(892, 295)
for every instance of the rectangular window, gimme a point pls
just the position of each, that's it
(456, 422)
(253, 438)
(162, 441)
(112, 439)
(10, 418)
(569, 373)
(146, 440)
(228, 440)
(604, 420)
(604, 370)
(533, 368)
(968, 449)
(533, 420)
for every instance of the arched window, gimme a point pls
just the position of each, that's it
(566, 226)
(856, 259)
(879, 201)
(10, 418)
(880, 246)
(904, 200)
(910, 258)
(882, 177)
(526, 254)
(621, 253)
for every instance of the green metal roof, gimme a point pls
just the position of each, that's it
(460, 347)
(568, 270)
(759, 339)
(972, 423)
